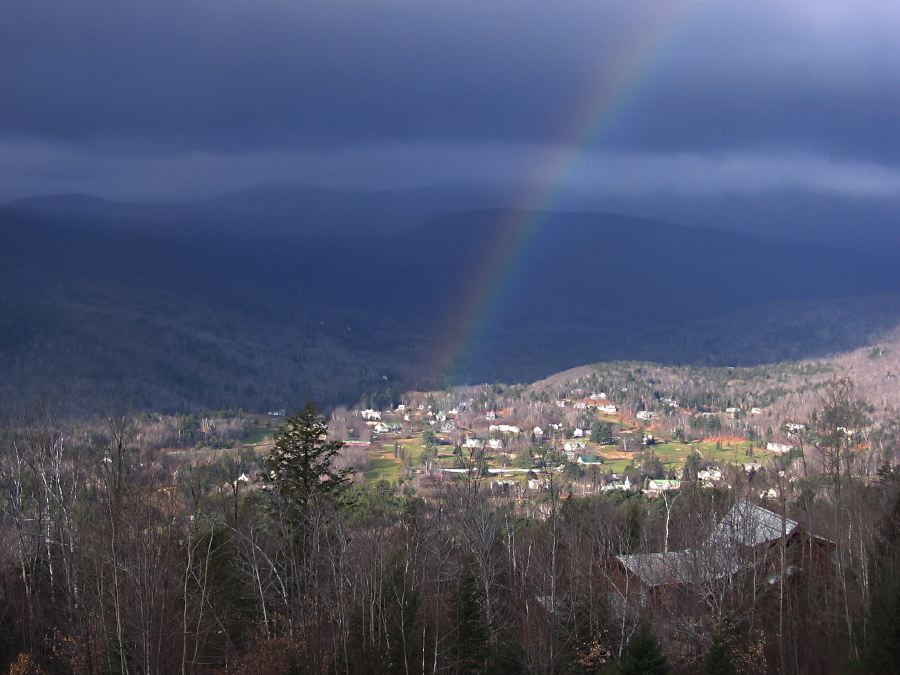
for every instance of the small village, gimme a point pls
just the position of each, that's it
(588, 442)
(582, 433)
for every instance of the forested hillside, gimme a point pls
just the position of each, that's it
(242, 301)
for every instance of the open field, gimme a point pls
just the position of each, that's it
(384, 465)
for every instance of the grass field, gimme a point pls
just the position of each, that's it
(257, 434)
(615, 465)
(673, 455)
(384, 466)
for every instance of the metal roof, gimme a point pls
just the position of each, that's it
(720, 555)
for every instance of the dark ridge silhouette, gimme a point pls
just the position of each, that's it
(283, 292)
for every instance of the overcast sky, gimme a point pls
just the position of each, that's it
(183, 98)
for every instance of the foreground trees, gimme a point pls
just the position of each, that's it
(642, 655)
(300, 467)
(117, 561)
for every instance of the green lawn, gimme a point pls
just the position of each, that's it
(675, 454)
(383, 468)
(614, 465)
(382, 463)
(256, 435)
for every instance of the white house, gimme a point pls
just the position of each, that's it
(780, 448)
(490, 415)
(756, 411)
(581, 405)
(495, 444)
(560, 404)
(537, 431)
(370, 415)
(504, 484)
(608, 408)
(713, 475)
(508, 429)
(578, 433)
(644, 415)
(793, 426)
(617, 485)
(382, 428)
(572, 449)
(472, 443)
(659, 485)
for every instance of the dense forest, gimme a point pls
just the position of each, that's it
(269, 298)
(119, 559)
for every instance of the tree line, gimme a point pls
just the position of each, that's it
(116, 559)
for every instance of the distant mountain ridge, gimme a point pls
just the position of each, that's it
(282, 208)
(233, 302)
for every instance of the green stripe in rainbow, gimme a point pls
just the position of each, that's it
(475, 316)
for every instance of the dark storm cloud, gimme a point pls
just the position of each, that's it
(230, 75)
(307, 85)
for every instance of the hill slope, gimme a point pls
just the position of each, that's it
(145, 306)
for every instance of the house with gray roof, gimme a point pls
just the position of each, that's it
(746, 539)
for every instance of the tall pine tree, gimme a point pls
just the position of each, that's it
(470, 623)
(300, 466)
(881, 650)
(719, 659)
(642, 655)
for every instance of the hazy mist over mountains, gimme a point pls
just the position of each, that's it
(284, 292)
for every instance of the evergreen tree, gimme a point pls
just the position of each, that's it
(642, 654)
(719, 659)
(691, 467)
(471, 625)
(299, 467)
(601, 432)
(881, 652)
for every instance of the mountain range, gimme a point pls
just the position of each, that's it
(281, 293)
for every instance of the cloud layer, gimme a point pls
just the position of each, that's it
(187, 98)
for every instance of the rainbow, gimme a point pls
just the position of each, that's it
(475, 316)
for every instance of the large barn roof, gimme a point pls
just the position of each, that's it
(720, 555)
